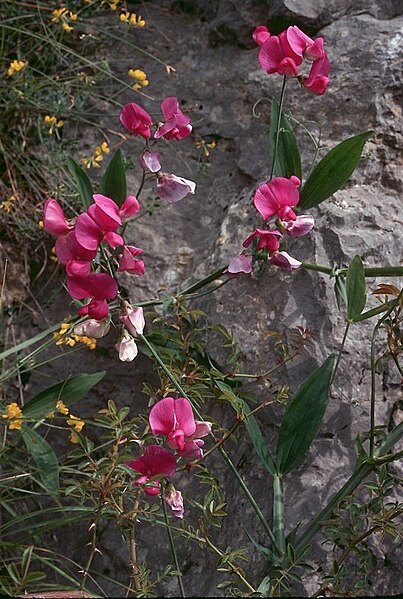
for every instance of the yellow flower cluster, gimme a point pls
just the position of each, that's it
(132, 19)
(76, 423)
(14, 414)
(62, 338)
(140, 78)
(7, 205)
(52, 122)
(206, 146)
(113, 4)
(97, 157)
(15, 67)
(64, 17)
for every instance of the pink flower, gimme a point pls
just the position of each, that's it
(284, 260)
(150, 161)
(129, 208)
(136, 120)
(177, 125)
(303, 45)
(300, 226)
(261, 34)
(277, 197)
(174, 419)
(128, 263)
(277, 56)
(171, 188)
(54, 220)
(239, 264)
(132, 319)
(268, 240)
(318, 78)
(174, 500)
(67, 248)
(99, 224)
(99, 287)
(126, 347)
(155, 461)
(93, 328)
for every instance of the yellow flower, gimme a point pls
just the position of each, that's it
(132, 19)
(15, 67)
(67, 27)
(76, 423)
(140, 78)
(7, 205)
(63, 16)
(58, 14)
(97, 157)
(73, 437)
(60, 407)
(52, 122)
(14, 414)
(113, 4)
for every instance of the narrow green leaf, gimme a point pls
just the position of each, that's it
(113, 183)
(303, 417)
(44, 458)
(288, 159)
(69, 391)
(333, 171)
(355, 289)
(375, 311)
(82, 181)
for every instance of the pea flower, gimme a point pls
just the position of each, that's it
(241, 263)
(93, 328)
(276, 55)
(278, 197)
(177, 125)
(318, 78)
(132, 319)
(54, 220)
(126, 347)
(128, 261)
(268, 240)
(150, 161)
(174, 500)
(155, 461)
(171, 188)
(98, 287)
(284, 260)
(261, 35)
(174, 419)
(136, 120)
(300, 226)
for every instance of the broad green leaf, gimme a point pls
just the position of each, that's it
(69, 391)
(288, 160)
(355, 289)
(258, 441)
(333, 171)
(113, 183)
(303, 417)
(44, 458)
(82, 181)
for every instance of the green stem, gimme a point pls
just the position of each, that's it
(220, 448)
(173, 549)
(278, 513)
(383, 271)
(340, 351)
(205, 281)
(280, 110)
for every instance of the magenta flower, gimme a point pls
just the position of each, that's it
(277, 56)
(54, 220)
(174, 501)
(239, 264)
(261, 35)
(98, 287)
(171, 188)
(128, 262)
(284, 260)
(318, 78)
(278, 197)
(150, 161)
(136, 120)
(300, 226)
(174, 419)
(155, 461)
(132, 319)
(126, 347)
(303, 45)
(177, 125)
(268, 240)
(67, 249)
(129, 208)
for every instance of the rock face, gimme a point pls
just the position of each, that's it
(218, 80)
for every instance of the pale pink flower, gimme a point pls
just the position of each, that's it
(300, 226)
(126, 347)
(277, 56)
(174, 500)
(278, 197)
(268, 240)
(128, 262)
(177, 125)
(136, 120)
(318, 78)
(284, 260)
(132, 319)
(171, 188)
(241, 263)
(54, 220)
(93, 328)
(174, 419)
(261, 35)
(150, 161)
(155, 461)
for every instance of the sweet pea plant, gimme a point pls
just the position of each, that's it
(108, 482)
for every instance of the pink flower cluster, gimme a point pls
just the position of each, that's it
(173, 419)
(284, 53)
(135, 119)
(275, 199)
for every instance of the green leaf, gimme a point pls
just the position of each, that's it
(355, 289)
(82, 181)
(69, 391)
(44, 458)
(375, 311)
(288, 160)
(113, 183)
(303, 417)
(333, 171)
